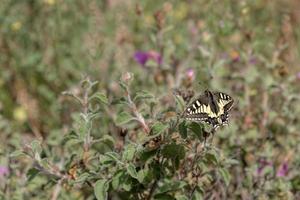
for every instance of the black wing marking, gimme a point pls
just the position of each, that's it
(196, 111)
(224, 101)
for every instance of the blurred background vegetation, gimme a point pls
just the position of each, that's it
(248, 49)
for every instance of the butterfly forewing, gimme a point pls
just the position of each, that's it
(197, 110)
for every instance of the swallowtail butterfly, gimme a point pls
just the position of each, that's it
(210, 107)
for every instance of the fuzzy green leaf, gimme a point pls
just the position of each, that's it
(197, 129)
(109, 158)
(183, 129)
(171, 186)
(132, 171)
(129, 152)
(225, 175)
(108, 140)
(33, 172)
(82, 178)
(36, 146)
(173, 151)
(113, 155)
(123, 118)
(143, 95)
(147, 155)
(212, 157)
(158, 128)
(100, 189)
(99, 97)
(17, 153)
(180, 103)
(142, 174)
(198, 194)
(117, 179)
(36, 149)
(127, 184)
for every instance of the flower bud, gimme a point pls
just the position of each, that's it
(127, 77)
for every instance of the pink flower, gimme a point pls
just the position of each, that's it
(190, 74)
(283, 169)
(142, 57)
(155, 56)
(4, 171)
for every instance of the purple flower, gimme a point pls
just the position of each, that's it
(262, 164)
(142, 57)
(283, 169)
(3, 171)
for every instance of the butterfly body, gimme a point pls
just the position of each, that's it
(210, 107)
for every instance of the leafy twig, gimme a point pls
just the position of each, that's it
(136, 113)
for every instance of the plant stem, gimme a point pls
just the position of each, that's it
(136, 113)
(56, 190)
(153, 188)
(192, 192)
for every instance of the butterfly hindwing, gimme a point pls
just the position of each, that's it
(224, 101)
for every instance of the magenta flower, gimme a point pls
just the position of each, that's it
(155, 56)
(283, 169)
(4, 171)
(142, 57)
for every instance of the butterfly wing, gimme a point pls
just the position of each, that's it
(198, 110)
(212, 108)
(225, 103)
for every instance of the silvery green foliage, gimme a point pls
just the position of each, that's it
(158, 157)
